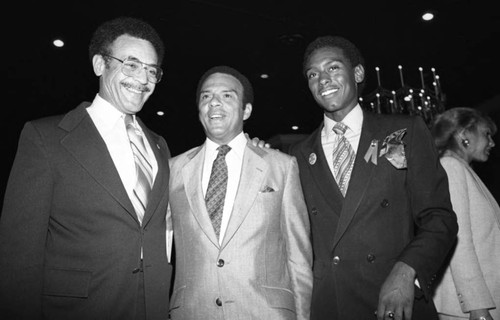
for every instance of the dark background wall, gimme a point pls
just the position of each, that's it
(255, 37)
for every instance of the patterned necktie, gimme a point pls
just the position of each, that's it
(216, 191)
(144, 170)
(343, 158)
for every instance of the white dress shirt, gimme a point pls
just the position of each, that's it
(354, 121)
(234, 161)
(109, 121)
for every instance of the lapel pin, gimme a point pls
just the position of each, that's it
(158, 146)
(371, 153)
(312, 158)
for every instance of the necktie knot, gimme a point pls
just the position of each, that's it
(130, 125)
(129, 120)
(223, 150)
(340, 128)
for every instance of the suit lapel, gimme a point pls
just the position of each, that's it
(360, 180)
(161, 181)
(192, 175)
(84, 142)
(253, 171)
(321, 174)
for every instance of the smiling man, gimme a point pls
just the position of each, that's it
(241, 227)
(82, 231)
(381, 218)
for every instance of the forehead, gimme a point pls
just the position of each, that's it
(222, 81)
(126, 46)
(324, 55)
(481, 126)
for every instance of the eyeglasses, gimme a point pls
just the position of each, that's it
(132, 68)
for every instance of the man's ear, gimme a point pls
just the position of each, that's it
(99, 64)
(463, 134)
(359, 73)
(247, 111)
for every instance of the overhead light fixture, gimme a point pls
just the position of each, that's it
(428, 16)
(58, 43)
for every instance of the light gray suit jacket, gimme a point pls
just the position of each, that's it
(472, 280)
(262, 270)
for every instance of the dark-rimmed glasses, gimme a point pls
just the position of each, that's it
(133, 67)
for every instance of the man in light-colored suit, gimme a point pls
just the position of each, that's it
(257, 263)
(72, 243)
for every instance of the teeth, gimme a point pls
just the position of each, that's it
(132, 89)
(327, 92)
(215, 116)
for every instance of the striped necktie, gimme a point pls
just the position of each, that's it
(343, 158)
(216, 191)
(144, 169)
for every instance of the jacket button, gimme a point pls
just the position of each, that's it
(314, 211)
(384, 203)
(336, 260)
(370, 258)
(136, 270)
(218, 302)
(220, 263)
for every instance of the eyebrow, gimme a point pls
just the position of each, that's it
(224, 91)
(135, 59)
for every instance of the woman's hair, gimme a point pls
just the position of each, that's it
(449, 123)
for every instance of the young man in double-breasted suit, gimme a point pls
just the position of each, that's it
(377, 246)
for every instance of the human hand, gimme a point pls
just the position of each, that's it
(396, 295)
(480, 314)
(256, 142)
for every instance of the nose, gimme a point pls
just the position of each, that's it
(324, 79)
(214, 101)
(492, 143)
(142, 75)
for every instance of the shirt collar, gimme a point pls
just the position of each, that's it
(105, 115)
(237, 145)
(353, 120)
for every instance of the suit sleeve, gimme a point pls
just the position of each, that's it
(296, 228)
(23, 228)
(435, 222)
(465, 267)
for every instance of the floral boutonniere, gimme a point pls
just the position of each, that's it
(392, 149)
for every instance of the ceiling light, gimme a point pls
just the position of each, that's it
(428, 16)
(58, 43)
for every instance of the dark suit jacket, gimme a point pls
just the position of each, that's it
(70, 240)
(388, 215)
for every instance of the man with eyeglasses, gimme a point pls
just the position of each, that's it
(82, 230)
